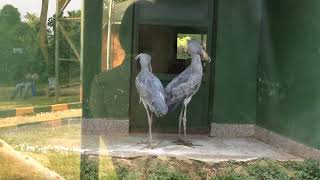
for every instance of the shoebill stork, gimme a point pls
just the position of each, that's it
(181, 89)
(150, 90)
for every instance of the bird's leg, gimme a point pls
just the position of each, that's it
(148, 142)
(185, 122)
(150, 125)
(150, 128)
(180, 121)
(185, 142)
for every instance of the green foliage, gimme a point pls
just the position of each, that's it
(89, 168)
(161, 172)
(16, 34)
(24, 35)
(182, 43)
(182, 47)
(309, 169)
(122, 172)
(267, 170)
(10, 15)
(67, 69)
(232, 176)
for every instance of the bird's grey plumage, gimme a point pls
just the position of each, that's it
(181, 89)
(184, 85)
(150, 90)
(187, 83)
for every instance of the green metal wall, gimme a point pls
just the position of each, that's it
(236, 61)
(266, 69)
(109, 96)
(234, 99)
(90, 49)
(289, 84)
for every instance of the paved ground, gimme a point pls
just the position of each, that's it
(210, 149)
(68, 137)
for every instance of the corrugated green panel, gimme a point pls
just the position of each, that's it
(289, 88)
(236, 62)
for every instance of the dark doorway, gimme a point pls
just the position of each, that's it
(164, 41)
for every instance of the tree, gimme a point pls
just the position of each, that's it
(19, 45)
(10, 15)
(33, 21)
(43, 31)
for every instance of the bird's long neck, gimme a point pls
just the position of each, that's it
(144, 68)
(196, 61)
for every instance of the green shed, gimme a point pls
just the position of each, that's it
(265, 62)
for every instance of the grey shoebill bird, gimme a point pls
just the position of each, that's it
(150, 90)
(181, 89)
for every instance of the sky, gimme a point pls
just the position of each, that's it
(34, 6)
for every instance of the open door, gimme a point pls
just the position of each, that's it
(165, 41)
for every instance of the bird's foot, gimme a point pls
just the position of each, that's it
(149, 144)
(185, 142)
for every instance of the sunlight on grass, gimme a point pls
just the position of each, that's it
(41, 136)
(106, 168)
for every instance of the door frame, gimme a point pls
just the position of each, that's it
(209, 78)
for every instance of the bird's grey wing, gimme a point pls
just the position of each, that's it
(152, 93)
(179, 93)
(182, 77)
(148, 87)
(181, 88)
(142, 88)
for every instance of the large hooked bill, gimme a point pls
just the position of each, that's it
(205, 56)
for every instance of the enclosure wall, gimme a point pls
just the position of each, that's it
(236, 61)
(91, 34)
(288, 87)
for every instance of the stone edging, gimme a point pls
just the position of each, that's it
(267, 136)
(38, 109)
(105, 126)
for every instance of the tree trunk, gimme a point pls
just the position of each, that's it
(43, 31)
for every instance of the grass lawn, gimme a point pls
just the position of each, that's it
(7, 103)
(39, 117)
(40, 136)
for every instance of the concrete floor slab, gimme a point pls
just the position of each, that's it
(210, 149)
